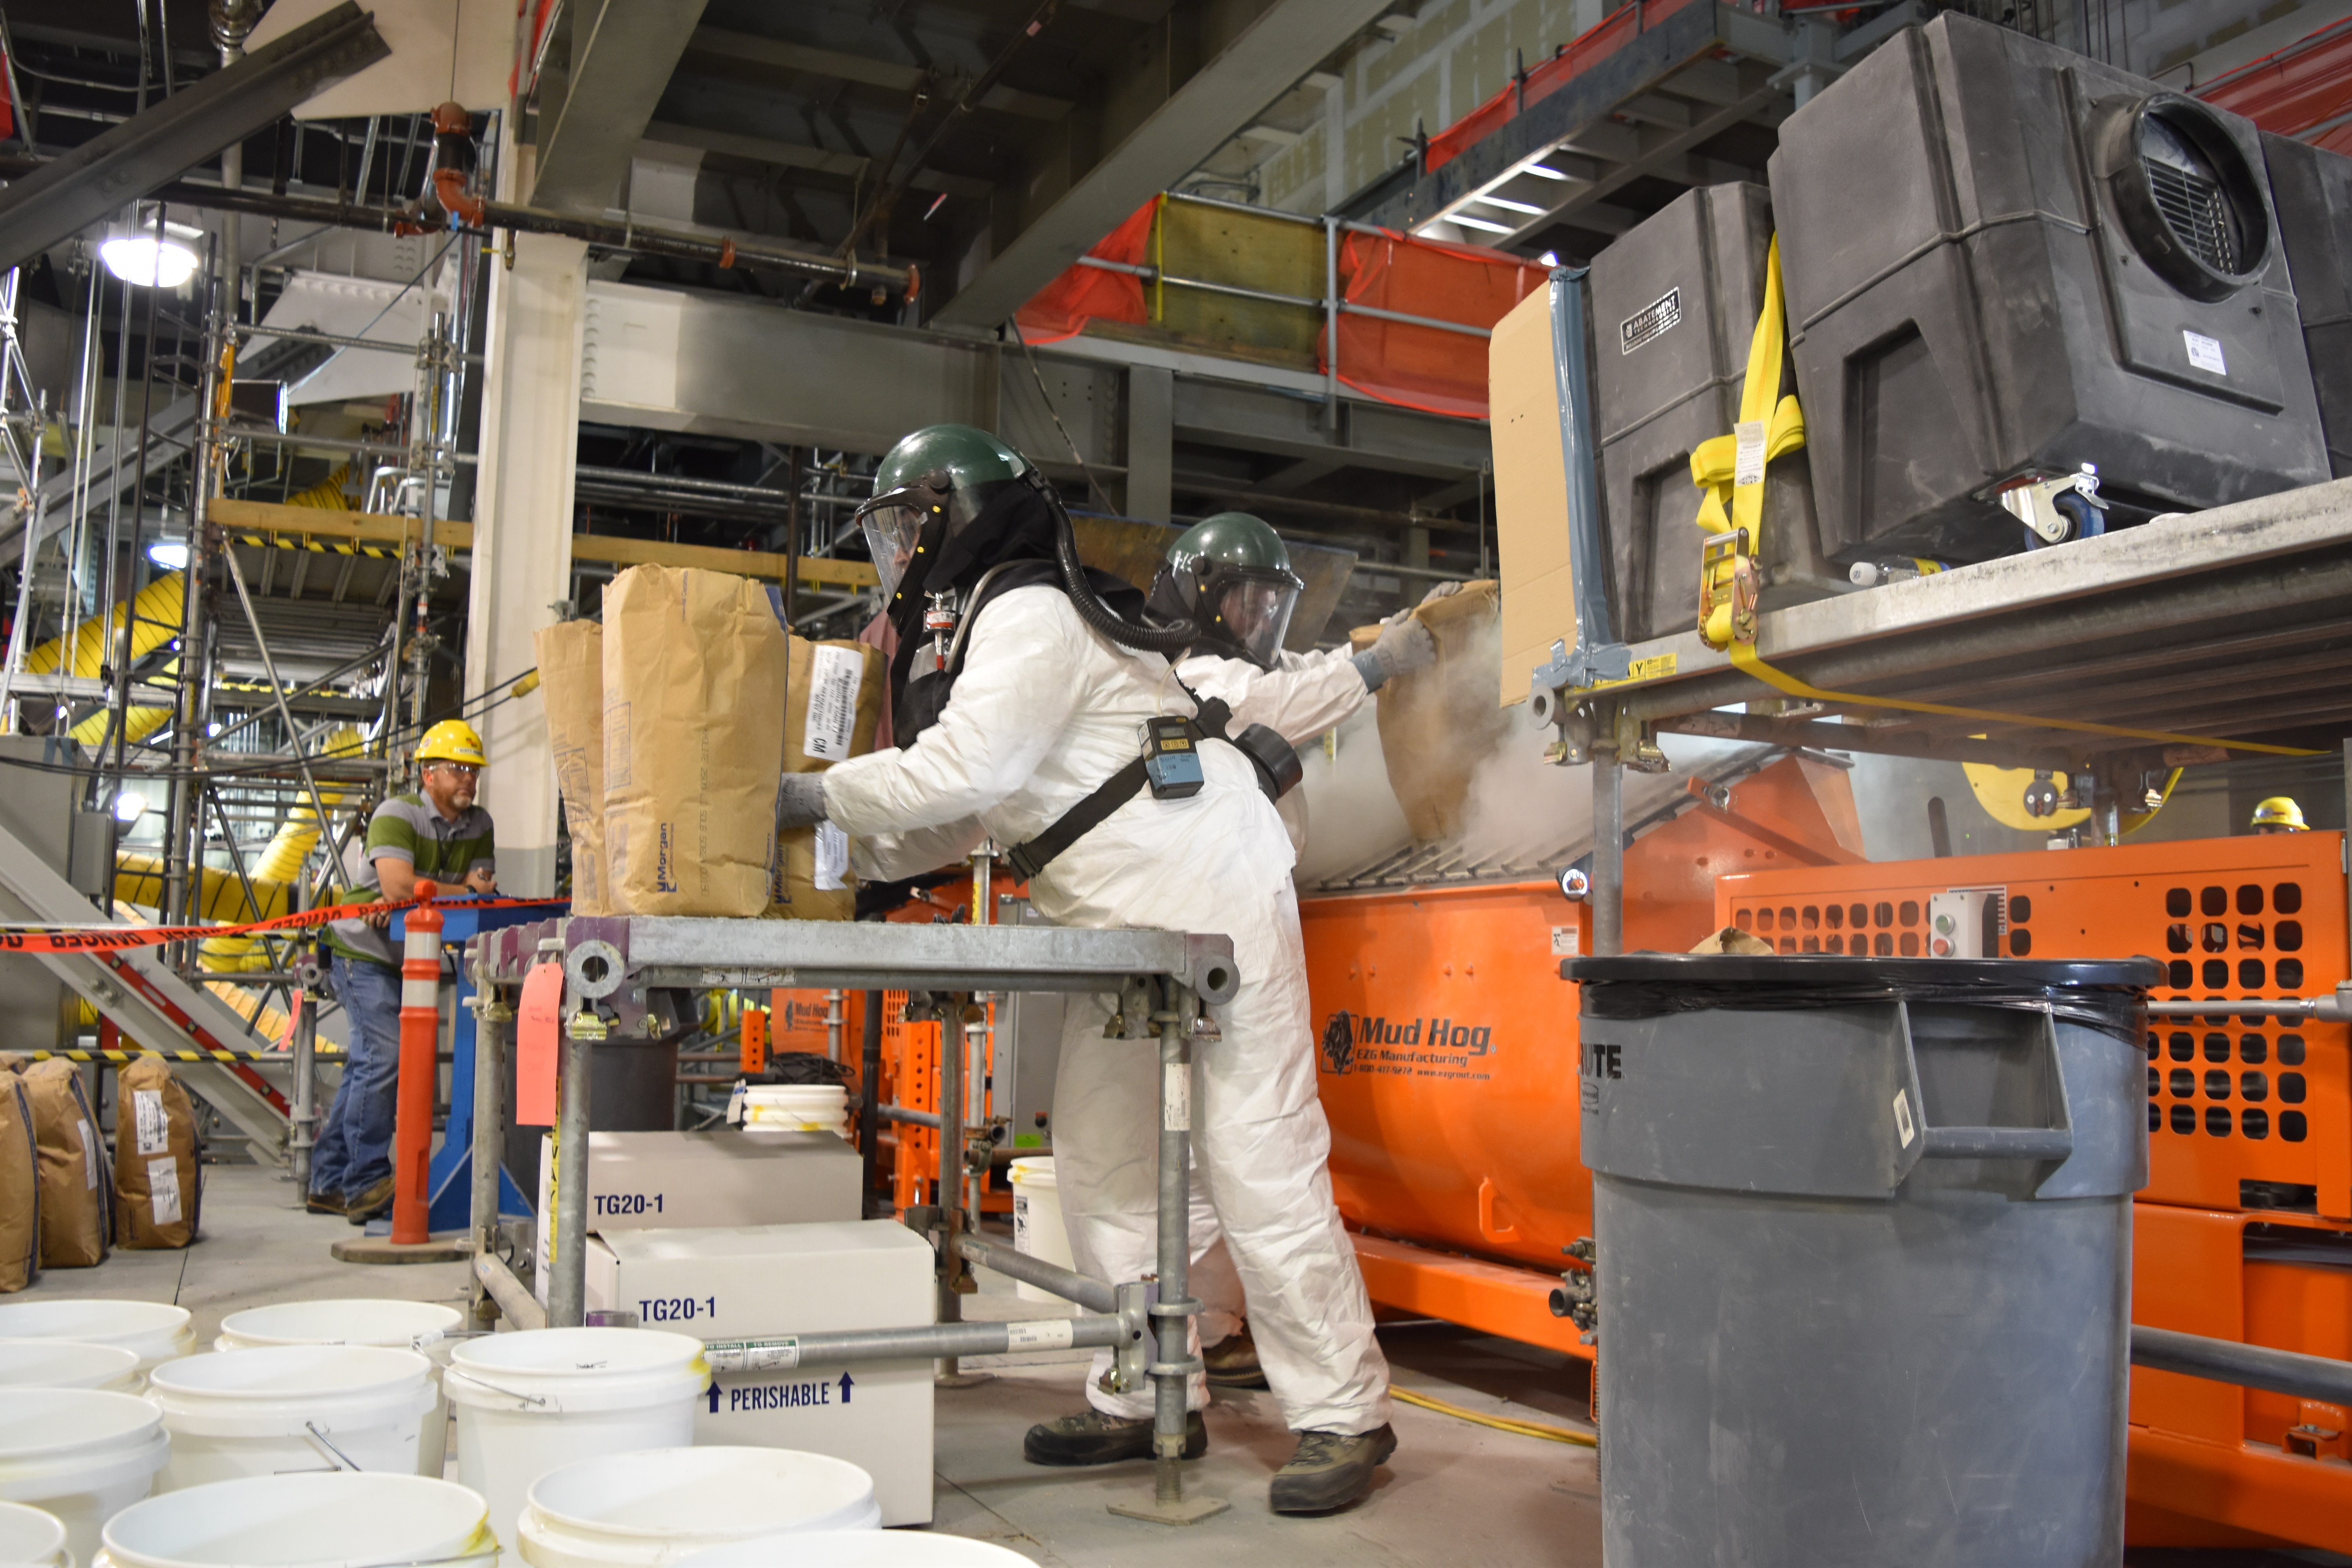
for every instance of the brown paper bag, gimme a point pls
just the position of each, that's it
(73, 1168)
(694, 742)
(572, 682)
(20, 1188)
(834, 705)
(158, 1179)
(1438, 724)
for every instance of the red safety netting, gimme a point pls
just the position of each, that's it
(1426, 368)
(1595, 45)
(1081, 294)
(2303, 90)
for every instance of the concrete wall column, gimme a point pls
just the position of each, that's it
(523, 526)
(1151, 442)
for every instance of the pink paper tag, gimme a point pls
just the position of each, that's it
(536, 1035)
(294, 1004)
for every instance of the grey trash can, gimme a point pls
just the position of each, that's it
(1864, 1256)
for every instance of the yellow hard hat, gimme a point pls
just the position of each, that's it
(451, 741)
(2279, 814)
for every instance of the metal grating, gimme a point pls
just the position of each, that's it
(2196, 212)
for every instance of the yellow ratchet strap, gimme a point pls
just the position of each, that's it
(1729, 472)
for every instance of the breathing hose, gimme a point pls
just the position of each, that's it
(1171, 639)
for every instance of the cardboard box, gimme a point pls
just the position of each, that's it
(752, 1282)
(662, 1181)
(1530, 492)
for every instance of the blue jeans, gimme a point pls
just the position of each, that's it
(354, 1151)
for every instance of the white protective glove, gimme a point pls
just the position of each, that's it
(800, 803)
(1405, 645)
(1443, 590)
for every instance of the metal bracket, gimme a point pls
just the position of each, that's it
(1131, 1367)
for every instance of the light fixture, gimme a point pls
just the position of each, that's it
(171, 554)
(154, 264)
(129, 807)
(1550, 258)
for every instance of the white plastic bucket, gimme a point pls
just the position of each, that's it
(289, 1408)
(648, 1510)
(81, 1454)
(68, 1363)
(32, 1538)
(859, 1549)
(419, 1326)
(303, 1522)
(797, 1108)
(158, 1332)
(537, 1400)
(1037, 1227)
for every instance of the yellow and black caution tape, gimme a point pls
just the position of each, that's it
(1732, 469)
(320, 547)
(1499, 1423)
(119, 1058)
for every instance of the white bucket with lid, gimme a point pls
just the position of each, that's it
(420, 1326)
(68, 1363)
(32, 1538)
(537, 1400)
(859, 1549)
(304, 1521)
(157, 1330)
(797, 1108)
(291, 1408)
(648, 1510)
(1037, 1226)
(81, 1454)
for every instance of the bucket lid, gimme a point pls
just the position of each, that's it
(98, 1322)
(552, 1370)
(356, 1321)
(64, 1364)
(716, 1493)
(304, 1521)
(858, 1549)
(1031, 1168)
(269, 1372)
(30, 1535)
(59, 1441)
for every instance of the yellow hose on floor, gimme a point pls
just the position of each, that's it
(1499, 1423)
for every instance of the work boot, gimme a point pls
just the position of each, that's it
(1232, 1361)
(323, 1202)
(1095, 1438)
(361, 1207)
(1330, 1470)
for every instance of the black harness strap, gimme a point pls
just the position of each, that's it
(1114, 792)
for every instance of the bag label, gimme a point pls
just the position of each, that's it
(2204, 353)
(154, 1126)
(833, 679)
(831, 856)
(1651, 322)
(89, 1156)
(163, 1190)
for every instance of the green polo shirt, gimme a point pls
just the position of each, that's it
(405, 828)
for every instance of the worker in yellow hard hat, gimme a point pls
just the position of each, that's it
(2279, 814)
(437, 833)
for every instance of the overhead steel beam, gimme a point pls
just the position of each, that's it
(722, 51)
(191, 127)
(797, 155)
(623, 52)
(1259, 62)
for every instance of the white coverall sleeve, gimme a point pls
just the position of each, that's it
(1302, 697)
(893, 857)
(1011, 703)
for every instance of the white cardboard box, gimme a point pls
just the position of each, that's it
(659, 1180)
(752, 1282)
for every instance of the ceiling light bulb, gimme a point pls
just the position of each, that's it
(141, 259)
(171, 554)
(129, 807)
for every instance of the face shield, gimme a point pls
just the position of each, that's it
(1256, 612)
(893, 523)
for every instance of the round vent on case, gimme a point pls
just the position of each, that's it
(2191, 205)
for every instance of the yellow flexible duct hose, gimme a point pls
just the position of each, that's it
(281, 863)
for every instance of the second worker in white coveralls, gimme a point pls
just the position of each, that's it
(1048, 693)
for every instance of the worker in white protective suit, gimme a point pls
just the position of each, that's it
(1231, 575)
(1045, 696)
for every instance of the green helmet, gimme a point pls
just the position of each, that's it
(1229, 575)
(952, 470)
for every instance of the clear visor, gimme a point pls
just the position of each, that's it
(891, 525)
(1257, 614)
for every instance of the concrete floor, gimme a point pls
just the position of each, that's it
(1454, 1491)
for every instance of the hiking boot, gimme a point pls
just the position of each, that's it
(363, 1206)
(1095, 1438)
(1330, 1470)
(1232, 1361)
(322, 1203)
